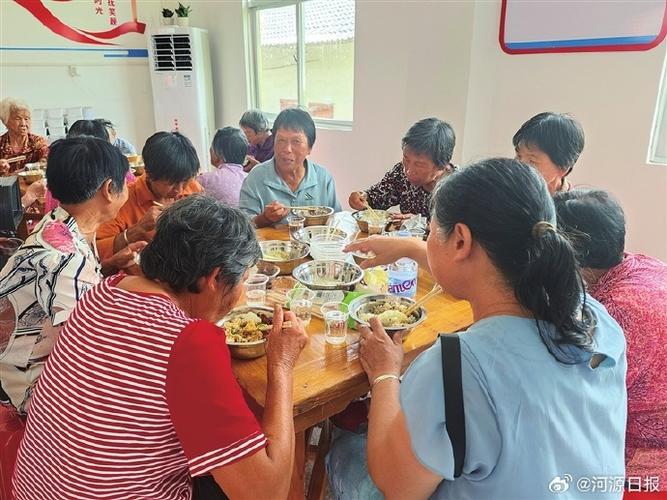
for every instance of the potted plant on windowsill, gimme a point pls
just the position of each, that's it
(167, 17)
(183, 12)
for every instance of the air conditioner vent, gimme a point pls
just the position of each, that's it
(172, 53)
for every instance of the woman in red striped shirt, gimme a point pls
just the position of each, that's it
(138, 395)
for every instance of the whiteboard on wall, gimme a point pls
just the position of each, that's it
(73, 31)
(534, 26)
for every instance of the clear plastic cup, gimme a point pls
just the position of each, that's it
(335, 322)
(328, 247)
(295, 223)
(255, 289)
(301, 303)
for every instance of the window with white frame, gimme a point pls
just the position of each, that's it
(657, 153)
(302, 54)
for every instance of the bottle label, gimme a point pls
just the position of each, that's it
(406, 288)
(403, 278)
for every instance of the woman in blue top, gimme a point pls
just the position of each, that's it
(542, 367)
(289, 179)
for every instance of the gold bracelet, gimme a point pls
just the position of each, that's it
(384, 376)
(127, 242)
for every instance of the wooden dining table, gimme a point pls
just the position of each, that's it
(327, 378)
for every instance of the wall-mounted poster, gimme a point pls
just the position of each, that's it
(535, 26)
(53, 31)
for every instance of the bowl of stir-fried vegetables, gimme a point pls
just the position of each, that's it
(389, 309)
(284, 254)
(246, 329)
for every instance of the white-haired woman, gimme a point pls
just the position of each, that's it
(18, 141)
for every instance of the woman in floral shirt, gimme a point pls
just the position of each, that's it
(427, 152)
(18, 141)
(42, 282)
(633, 289)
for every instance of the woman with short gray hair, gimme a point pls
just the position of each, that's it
(155, 377)
(427, 153)
(255, 126)
(18, 141)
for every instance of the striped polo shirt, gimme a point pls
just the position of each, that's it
(135, 399)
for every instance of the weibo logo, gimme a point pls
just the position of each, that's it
(77, 34)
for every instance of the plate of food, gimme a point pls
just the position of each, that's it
(391, 310)
(246, 329)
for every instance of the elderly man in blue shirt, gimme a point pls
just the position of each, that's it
(289, 179)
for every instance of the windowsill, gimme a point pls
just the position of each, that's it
(320, 123)
(333, 124)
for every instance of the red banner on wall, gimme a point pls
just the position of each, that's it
(80, 27)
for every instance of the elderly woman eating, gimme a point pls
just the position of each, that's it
(171, 166)
(139, 396)
(255, 126)
(534, 389)
(633, 288)
(42, 282)
(228, 150)
(289, 178)
(427, 153)
(18, 146)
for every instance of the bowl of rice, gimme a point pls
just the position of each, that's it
(389, 309)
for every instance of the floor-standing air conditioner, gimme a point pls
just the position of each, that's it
(180, 65)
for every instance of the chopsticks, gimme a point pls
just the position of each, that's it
(374, 214)
(16, 158)
(301, 208)
(331, 232)
(434, 291)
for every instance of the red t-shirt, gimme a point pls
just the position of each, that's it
(135, 399)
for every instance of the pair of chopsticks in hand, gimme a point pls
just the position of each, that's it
(414, 307)
(373, 213)
(16, 158)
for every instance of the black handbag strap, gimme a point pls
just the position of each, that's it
(454, 411)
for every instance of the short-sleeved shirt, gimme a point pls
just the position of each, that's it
(224, 183)
(395, 189)
(529, 418)
(139, 201)
(36, 148)
(136, 398)
(263, 186)
(635, 294)
(39, 287)
(262, 152)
